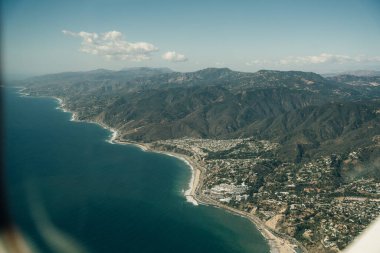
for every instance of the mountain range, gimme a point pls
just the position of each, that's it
(308, 114)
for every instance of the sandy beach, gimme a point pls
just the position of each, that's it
(276, 243)
(193, 194)
(194, 181)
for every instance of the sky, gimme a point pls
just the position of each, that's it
(49, 36)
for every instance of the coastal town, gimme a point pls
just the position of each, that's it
(308, 202)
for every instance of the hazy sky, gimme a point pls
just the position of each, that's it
(46, 36)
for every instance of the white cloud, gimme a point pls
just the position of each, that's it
(174, 57)
(327, 58)
(323, 58)
(112, 46)
(318, 59)
(258, 62)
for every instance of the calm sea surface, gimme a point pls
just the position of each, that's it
(70, 191)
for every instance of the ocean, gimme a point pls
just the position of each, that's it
(71, 191)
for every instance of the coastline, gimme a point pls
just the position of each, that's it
(193, 194)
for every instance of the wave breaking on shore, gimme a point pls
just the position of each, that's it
(189, 193)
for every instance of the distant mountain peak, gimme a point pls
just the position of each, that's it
(164, 69)
(100, 70)
(214, 70)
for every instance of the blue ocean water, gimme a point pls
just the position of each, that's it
(71, 191)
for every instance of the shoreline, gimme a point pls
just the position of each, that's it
(193, 195)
